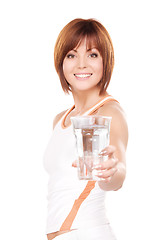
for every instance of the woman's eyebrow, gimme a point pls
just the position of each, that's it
(89, 49)
(74, 50)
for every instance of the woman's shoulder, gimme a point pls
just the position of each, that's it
(58, 117)
(112, 108)
(119, 123)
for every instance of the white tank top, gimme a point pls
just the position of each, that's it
(72, 203)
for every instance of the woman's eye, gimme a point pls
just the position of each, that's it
(93, 55)
(70, 55)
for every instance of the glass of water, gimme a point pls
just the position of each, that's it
(92, 136)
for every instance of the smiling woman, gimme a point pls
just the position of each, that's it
(84, 60)
(98, 42)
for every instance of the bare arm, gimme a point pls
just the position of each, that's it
(113, 171)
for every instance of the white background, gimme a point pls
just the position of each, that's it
(31, 95)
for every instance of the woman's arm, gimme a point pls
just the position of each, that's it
(113, 171)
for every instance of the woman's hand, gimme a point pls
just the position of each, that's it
(108, 168)
(105, 170)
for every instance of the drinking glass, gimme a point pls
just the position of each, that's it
(92, 136)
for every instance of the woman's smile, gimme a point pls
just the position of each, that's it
(83, 76)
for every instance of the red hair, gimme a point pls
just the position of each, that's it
(71, 36)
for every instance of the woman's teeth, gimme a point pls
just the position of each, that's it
(83, 75)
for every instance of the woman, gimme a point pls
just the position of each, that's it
(84, 60)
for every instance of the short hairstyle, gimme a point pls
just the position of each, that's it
(71, 36)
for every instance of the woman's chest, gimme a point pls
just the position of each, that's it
(60, 151)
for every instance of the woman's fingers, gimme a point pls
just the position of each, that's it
(110, 163)
(105, 170)
(74, 164)
(109, 150)
(106, 174)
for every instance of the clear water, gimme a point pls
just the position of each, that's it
(89, 142)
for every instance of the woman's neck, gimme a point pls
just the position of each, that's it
(85, 101)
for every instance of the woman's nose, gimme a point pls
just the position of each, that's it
(82, 63)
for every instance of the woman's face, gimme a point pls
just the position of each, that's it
(83, 68)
